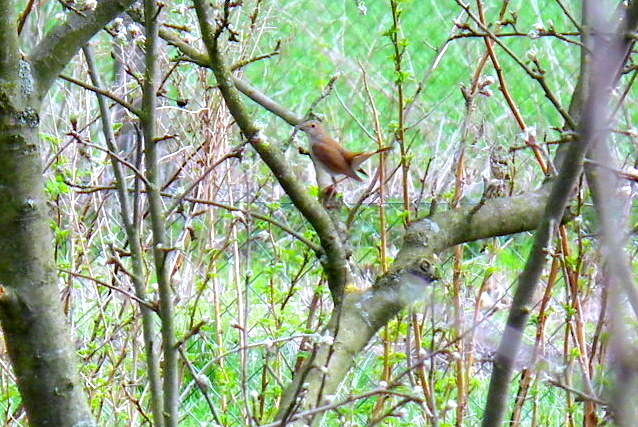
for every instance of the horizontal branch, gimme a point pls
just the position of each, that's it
(496, 217)
(316, 248)
(182, 198)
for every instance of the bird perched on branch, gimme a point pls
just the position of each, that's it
(330, 155)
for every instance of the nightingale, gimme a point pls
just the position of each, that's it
(330, 155)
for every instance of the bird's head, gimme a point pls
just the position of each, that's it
(312, 127)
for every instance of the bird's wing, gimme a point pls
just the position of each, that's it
(332, 158)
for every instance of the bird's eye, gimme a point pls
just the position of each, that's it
(312, 125)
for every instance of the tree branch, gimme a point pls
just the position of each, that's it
(133, 236)
(334, 259)
(102, 92)
(364, 312)
(61, 44)
(158, 220)
(608, 58)
(243, 86)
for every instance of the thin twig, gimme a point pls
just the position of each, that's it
(538, 76)
(580, 394)
(114, 288)
(102, 92)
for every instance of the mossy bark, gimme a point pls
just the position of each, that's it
(31, 315)
(33, 323)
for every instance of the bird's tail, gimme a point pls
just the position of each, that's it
(382, 150)
(359, 158)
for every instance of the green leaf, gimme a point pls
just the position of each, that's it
(56, 186)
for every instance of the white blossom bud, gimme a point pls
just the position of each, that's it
(134, 30)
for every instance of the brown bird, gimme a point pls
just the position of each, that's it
(330, 155)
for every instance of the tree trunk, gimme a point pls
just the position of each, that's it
(31, 314)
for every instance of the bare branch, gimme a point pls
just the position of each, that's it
(102, 92)
(608, 58)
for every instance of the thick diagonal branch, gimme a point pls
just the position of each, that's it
(61, 44)
(333, 256)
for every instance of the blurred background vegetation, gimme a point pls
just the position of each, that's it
(241, 281)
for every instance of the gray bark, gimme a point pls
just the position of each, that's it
(31, 315)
